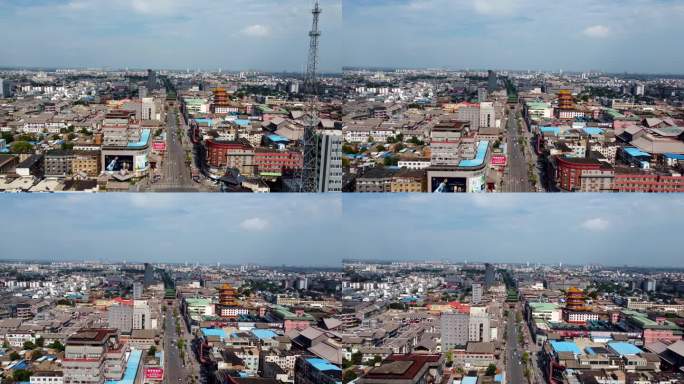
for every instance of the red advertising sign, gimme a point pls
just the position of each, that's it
(154, 373)
(159, 145)
(499, 160)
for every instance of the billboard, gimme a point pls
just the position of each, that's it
(117, 163)
(154, 373)
(448, 184)
(159, 145)
(141, 162)
(499, 160)
(476, 184)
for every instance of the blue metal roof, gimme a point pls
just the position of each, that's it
(554, 130)
(565, 346)
(277, 138)
(214, 332)
(144, 138)
(675, 156)
(264, 334)
(593, 131)
(322, 365)
(636, 152)
(469, 380)
(623, 348)
(479, 156)
(209, 122)
(131, 369)
(242, 122)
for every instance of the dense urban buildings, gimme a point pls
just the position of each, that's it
(374, 322)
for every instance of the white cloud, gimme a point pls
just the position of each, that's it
(255, 224)
(256, 30)
(597, 31)
(596, 224)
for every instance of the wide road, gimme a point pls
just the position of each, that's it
(174, 367)
(175, 172)
(514, 368)
(516, 176)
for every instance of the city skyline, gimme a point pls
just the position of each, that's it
(531, 34)
(311, 229)
(549, 229)
(172, 227)
(268, 35)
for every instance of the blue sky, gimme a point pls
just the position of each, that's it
(612, 229)
(231, 34)
(610, 35)
(208, 228)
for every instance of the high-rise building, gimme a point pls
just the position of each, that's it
(142, 316)
(487, 115)
(5, 89)
(302, 283)
(120, 317)
(482, 94)
(148, 109)
(489, 275)
(329, 163)
(93, 356)
(479, 329)
(649, 285)
(151, 80)
(477, 293)
(491, 81)
(454, 330)
(137, 290)
(149, 275)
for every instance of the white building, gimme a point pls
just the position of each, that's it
(329, 163)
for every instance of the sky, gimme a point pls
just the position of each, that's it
(609, 35)
(268, 35)
(608, 229)
(206, 228)
(324, 229)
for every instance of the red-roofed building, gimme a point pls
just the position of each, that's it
(406, 369)
(460, 307)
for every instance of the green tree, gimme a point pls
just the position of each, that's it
(347, 148)
(29, 345)
(14, 356)
(21, 147)
(415, 141)
(40, 342)
(22, 375)
(57, 346)
(491, 370)
(356, 358)
(390, 161)
(349, 375)
(525, 357)
(36, 354)
(152, 351)
(8, 137)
